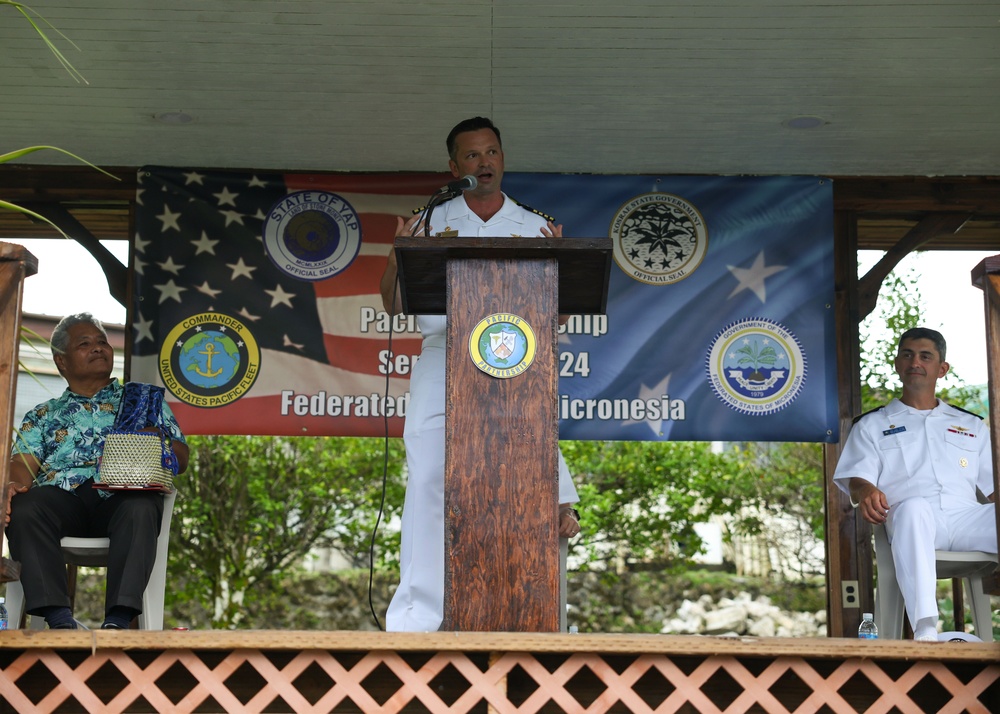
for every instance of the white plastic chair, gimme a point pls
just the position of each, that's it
(93, 552)
(970, 565)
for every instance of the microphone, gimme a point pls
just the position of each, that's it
(452, 189)
(466, 183)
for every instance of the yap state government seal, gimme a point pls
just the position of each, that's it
(756, 366)
(312, 235)
(209, 360)
(658, 238)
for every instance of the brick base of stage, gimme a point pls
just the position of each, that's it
(293, 671)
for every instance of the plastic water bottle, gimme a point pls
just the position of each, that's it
(868, 630)
(3, 614)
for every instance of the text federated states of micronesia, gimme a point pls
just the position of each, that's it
(571, 365)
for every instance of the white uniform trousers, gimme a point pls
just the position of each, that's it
(919, 526)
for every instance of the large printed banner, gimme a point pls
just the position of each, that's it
(259, 307)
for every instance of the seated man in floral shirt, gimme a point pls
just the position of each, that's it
(51, 492)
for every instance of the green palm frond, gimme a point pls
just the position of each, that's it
(17, 154)
(33, 18)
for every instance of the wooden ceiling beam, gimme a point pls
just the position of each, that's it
(977, 195)
(886, 207)
(931, 227)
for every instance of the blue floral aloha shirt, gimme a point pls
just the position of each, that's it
(66, 435)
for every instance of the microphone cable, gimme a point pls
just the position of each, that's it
(385, 471)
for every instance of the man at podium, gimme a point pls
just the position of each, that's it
(474, 149)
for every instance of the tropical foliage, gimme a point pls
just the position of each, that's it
(37, 22)
(253, 507)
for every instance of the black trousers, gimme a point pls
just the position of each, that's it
(40, 517)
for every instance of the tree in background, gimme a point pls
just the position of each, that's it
(900, 307)
(782, 506)
(252, 507)
(640, 501)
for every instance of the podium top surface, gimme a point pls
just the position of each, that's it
(584, 268)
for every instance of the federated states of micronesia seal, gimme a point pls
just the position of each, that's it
(658, 238)
(502, 345)
(312, 235)
(209, 360)
(756, 366)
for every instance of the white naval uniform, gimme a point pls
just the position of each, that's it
(928, 464)
(418, 604)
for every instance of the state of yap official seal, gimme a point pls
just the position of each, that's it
(756, 366)
(658, 238)
(312, 235)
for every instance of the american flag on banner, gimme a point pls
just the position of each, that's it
(258, 303)
(322, 343)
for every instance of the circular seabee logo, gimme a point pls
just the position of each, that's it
(658, 238)
(756, 366)
(502, 345)
(312, 235)
(209, 360)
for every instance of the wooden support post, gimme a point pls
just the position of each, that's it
(848, 553)
(16, 264)
(986, 276)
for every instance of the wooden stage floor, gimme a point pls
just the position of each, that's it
(295, 671)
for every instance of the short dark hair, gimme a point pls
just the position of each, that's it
(473, 124)
(925, 333)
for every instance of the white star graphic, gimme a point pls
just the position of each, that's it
(247, 315)
(204, 244)
(259, 215)
(169, 291)
(207, 289)
(226, 196)
(240, 268)
(169, 266)
(232, 217)
(254, 181)
(143, 329)
(140, 244)
(286, 342)
(193, 177)
(139, 267)
(279, 296)
(752, 278)
(655, 392)
(138, 195)
(169, 219)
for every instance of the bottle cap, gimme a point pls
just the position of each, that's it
(868, 616)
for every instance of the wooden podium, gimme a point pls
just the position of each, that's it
(16, 264)
(502, 425)
(986, 276)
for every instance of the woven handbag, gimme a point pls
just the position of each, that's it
(132, 458)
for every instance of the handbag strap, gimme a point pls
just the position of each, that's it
(141, 407)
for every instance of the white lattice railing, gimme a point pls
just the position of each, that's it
(257, 671)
